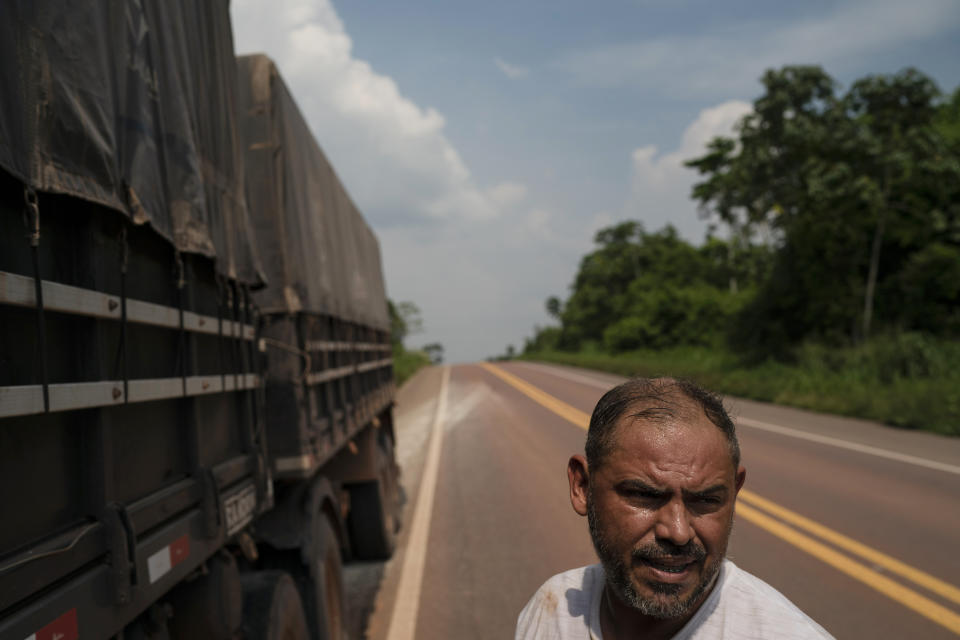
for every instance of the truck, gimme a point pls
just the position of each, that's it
(196, 382)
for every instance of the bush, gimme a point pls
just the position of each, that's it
(627, 334)
(660, 316)
(544, 339)
(907, 380)
(406, 363)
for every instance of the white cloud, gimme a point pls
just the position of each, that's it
(507, 194)
(392, 154)
(478, 261)
(660, 184)
(731, 61)
(512, 71)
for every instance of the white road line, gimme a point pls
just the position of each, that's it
(852, 446)
(403, 619)
(575, 377)
(786, 431)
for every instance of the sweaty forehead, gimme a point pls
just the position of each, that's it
(681, 442)
(668, 406)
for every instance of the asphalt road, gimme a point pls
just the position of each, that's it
(857, 523)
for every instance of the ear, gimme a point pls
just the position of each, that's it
(739, 480)
(579, 479)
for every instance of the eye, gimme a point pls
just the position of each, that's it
(643, 495)
(646, 495)
(708, 501)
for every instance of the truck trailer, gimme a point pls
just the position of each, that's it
(196, 386)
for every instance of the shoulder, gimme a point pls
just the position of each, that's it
(757, 610)
(561, 607)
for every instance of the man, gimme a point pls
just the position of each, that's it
(658, 485)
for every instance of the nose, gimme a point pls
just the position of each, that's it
(673, 523)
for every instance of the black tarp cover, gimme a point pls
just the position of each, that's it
(130, 104)
(318, 252)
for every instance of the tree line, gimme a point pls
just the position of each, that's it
(834, 217)
(406, 320)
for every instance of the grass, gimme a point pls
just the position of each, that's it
(406, 363)
(908, 381)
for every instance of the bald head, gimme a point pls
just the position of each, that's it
(654, 401)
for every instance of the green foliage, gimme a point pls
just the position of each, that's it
(406, 363)
(660, 317)
(852, 187)
(405, 319)
(926, 292)
(642, 289)
(554, 307)
(509, 354)
(838, 286)
(544, 339)
(948, 118)
(435, 351)
(907, 380)
(627, 334)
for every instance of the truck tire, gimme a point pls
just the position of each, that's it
(375, 508)
(271, 607)
(319, 581)
(321, 587)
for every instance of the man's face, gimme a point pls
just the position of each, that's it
(660, 509)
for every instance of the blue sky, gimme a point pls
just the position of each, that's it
(487, 142)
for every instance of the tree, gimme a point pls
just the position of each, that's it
(544, 339)
(405, 320)
(653, 290)
(435, 351)
(893, 118)
(849, 187)
(601, 292)
(554, 307)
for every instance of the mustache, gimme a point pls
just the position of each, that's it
(690, 552)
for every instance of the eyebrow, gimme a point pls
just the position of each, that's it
(641, 486)
(717, 488)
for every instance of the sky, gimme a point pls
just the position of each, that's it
(487, 142)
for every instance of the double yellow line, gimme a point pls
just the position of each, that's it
(775, 519)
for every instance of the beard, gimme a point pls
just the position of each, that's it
(666, 601)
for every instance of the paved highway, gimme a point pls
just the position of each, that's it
(857, 523)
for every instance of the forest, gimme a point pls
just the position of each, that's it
(830, 277)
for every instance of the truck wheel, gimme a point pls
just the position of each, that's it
(320, 582)
(390, 475)
(375, 507)
(271, 607)
(322, 587)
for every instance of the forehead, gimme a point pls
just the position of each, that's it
(688, 450)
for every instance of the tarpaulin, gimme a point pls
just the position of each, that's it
(318, 252)
(131, 105)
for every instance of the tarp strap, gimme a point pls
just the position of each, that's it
(182, 336)
(247, 361)
(32, 221)
(124, 264)
(232, 302)
(253, 354)
(223, 368)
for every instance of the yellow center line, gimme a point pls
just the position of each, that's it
(878, 558)
(559, 407)
(905, 596)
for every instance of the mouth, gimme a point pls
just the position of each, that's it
(669, 569)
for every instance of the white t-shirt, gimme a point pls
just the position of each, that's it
(740, 606)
